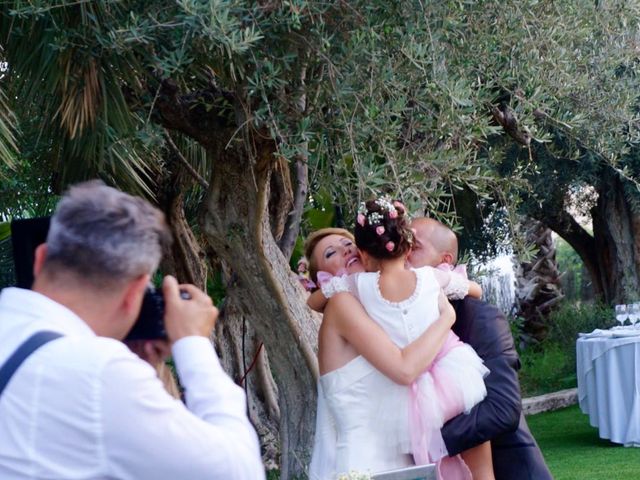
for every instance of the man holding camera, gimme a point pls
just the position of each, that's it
(82, 405)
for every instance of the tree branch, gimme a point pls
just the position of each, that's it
(292, 227)
(580, 240)
(206, 115)
(185, 163)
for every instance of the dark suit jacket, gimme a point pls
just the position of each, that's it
(498, 417)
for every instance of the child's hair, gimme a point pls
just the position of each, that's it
(382, 229)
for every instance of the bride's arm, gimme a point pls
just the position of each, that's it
(403, 366)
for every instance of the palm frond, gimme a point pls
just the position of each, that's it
(7, 275)
(8, 132)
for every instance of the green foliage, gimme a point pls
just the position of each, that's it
(551, 365)
(545, 371)
(8, 123)
(576, 284)
(273, 474)
(376, 96)
(569, 320)
(26, 191)
(7, 274)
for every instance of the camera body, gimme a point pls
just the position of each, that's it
(150, 322)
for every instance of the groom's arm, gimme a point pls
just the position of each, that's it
(485, 328)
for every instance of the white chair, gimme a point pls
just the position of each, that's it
(422, 472)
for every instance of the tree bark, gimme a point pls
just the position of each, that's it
(617, 243)
(287, 241)
(581, 241)
(612, 253)
(248, 199)
(238, 346)
(238, 227)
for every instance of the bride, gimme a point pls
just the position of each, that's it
(360, 367)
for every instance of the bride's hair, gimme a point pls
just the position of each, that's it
(382, 228)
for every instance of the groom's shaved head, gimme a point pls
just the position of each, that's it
(441, 237)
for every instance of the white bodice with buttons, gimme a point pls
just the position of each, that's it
(406, 320)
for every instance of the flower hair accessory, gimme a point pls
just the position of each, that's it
(375, 218)
(390, 246)
(379, 229)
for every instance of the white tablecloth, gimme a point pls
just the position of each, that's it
(609, 386)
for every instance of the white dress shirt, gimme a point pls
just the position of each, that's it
(86, 407)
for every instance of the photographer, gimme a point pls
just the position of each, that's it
(82, 405)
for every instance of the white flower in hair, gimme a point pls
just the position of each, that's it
(375, 218)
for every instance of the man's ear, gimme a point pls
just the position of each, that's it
(40, 256)
(447, 258)
(132, 296)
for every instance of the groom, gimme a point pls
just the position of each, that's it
(498, 417)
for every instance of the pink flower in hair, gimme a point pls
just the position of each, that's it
(393, 213)
(360, 219)
(379, 229)
(390, 246)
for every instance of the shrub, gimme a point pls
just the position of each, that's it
(551, 364)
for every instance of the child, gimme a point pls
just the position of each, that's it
(404, 302)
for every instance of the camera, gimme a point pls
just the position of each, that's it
(150, 323)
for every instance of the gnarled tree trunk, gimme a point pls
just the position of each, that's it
(612, 253)
(617, 244)
(238, 227)
(243, 355)
(248, 199)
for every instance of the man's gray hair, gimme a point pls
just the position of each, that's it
(105, 236)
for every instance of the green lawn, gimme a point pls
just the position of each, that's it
(574, 451)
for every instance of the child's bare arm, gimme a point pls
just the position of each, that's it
(317, 301)
(475, 290)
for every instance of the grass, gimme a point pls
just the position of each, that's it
(573, 450)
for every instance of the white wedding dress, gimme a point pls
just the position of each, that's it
(363, 417)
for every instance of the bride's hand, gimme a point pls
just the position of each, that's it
(447, 313)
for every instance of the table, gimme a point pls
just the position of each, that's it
(609, 386)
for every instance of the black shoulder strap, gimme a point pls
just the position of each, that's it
(30, 345)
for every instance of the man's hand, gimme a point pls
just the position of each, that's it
(186, 318)
(155, 352)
